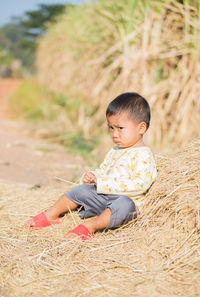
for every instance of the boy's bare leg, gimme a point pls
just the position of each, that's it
(100, 222)
(62, 205)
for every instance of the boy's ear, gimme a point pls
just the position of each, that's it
(142, 128)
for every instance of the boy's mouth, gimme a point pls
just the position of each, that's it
(116, 140)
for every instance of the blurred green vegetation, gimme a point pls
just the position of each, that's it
(78, 144)
(41, 107)
(19, 37)
(33, 101)
(11, 36)
(99, 49)
(5, 58)
(107, 47)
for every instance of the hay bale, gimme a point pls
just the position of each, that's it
(157, 255)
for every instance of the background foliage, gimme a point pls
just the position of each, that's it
(97, 50)
(19, 37)
(101, 49)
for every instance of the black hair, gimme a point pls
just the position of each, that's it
(137, 107)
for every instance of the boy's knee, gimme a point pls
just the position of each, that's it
(82, 189)
(80, 192)
(126, 205)
(123, 210)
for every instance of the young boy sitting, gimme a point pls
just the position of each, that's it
(114, 193)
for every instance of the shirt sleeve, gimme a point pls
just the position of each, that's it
(134, 177)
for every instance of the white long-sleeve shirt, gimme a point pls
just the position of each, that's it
(127, 171)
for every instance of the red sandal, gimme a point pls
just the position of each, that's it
(81, 231)
(41, 221)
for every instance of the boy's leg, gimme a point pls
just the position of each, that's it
(71, 200)
(100, 222)
(118, 213)
(62, 205)
(123, 210)
(81, 195)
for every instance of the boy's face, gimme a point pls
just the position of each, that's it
(124, 131)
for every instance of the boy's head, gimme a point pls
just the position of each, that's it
(135, 105)
(128, 117)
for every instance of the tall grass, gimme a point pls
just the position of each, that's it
(101, 49)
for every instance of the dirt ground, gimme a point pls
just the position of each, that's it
(23, 158)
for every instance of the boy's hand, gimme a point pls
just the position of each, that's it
(89, 178)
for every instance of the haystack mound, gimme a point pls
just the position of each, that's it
(157, 255)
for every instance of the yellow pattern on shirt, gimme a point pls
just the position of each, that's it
(128, 172)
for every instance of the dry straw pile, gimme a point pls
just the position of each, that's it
(99, 50)
(157, 255)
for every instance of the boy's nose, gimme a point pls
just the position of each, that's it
(115, 133)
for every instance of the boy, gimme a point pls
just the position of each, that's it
(113, 193)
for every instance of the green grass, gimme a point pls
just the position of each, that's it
(33, 102)
(38, 105)
(78, 144)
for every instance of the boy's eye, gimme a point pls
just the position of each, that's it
(109, 127)
(120, 128)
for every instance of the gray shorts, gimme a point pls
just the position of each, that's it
(122, 208)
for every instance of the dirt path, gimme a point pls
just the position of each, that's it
(24, 159)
